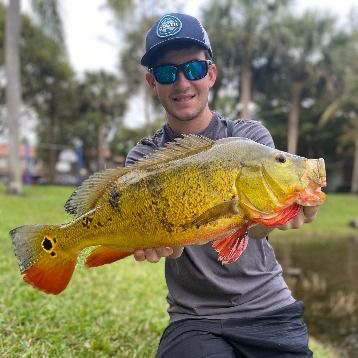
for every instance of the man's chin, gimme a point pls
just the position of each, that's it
(184, 116)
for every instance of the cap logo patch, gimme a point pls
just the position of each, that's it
(168, 25)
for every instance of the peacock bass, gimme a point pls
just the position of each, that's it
(192, 191)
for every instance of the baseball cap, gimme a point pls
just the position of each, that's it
(171, 28)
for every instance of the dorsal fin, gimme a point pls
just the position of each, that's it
(180, 148)
(92, 189)
(85, 197)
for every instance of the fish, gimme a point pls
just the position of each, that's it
(192, 191)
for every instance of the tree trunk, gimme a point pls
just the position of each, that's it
(354, 184)
(147, 103)
(245, 89)
(53, 137)
(294, 117)
(100, 148)
(13, 92)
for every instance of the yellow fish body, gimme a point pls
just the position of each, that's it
(192, 191)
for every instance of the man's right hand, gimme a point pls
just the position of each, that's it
(155, 254)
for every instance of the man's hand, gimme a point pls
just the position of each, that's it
(306, 215)
(155, 254)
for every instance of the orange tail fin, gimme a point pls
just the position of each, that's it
(105, 255)
(50, 277)
(43, 263)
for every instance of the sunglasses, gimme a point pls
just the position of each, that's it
(193, 70)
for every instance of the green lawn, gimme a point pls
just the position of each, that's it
(115, 310)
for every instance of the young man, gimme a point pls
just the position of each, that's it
(244, 309)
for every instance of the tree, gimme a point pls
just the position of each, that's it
(13, 92)
(133, 28)
(101, 107)
(343, 104)
(46, 87)
(13, 87)
(302, 42)
(236, 28)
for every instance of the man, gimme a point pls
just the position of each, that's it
(244, 309)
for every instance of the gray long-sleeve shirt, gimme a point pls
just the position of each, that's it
(199, 286)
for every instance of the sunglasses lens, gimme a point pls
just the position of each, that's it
(165, 74)
(195, 70)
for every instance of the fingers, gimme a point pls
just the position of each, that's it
(306, 215)
(152, 255)
(310, 213)
(177, 251)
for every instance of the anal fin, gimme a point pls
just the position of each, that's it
(105, 255)
(231, 247)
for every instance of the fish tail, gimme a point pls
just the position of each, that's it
(43, 263)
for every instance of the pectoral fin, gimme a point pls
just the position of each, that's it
(226, 209)
(280, 217)
(105, 255)
(231, 247)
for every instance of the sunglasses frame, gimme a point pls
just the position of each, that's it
(181, 67)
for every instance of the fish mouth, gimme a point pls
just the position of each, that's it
(318, 171)
(313, 195)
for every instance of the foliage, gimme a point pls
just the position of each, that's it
(107, 311)
(99, 110)
(132, 27)
(343, 104)
(45, 79)
(236, 28)
(49, 19)
(126, 138)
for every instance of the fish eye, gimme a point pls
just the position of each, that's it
(281, 158)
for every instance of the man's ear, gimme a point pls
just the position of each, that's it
(150, 80)
(212, 73)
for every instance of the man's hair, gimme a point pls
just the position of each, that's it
(177, 46)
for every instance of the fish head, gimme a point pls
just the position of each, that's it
(272, 180)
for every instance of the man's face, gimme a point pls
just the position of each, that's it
(184, 100)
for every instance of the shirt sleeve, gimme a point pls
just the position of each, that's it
(253, 130)
(141, 150)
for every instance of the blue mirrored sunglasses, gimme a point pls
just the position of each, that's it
(193, 70)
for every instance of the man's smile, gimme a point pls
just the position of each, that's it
(183, 98)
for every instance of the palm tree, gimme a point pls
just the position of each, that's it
(13, 92)
(344, 103)
(303, 40)
(48, 15)
(236, 29)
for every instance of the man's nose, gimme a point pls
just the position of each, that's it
(181, 79)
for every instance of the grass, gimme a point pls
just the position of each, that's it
(115, 310)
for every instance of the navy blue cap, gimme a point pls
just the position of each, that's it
(171, 28)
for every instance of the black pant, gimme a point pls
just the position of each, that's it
(280, 333)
